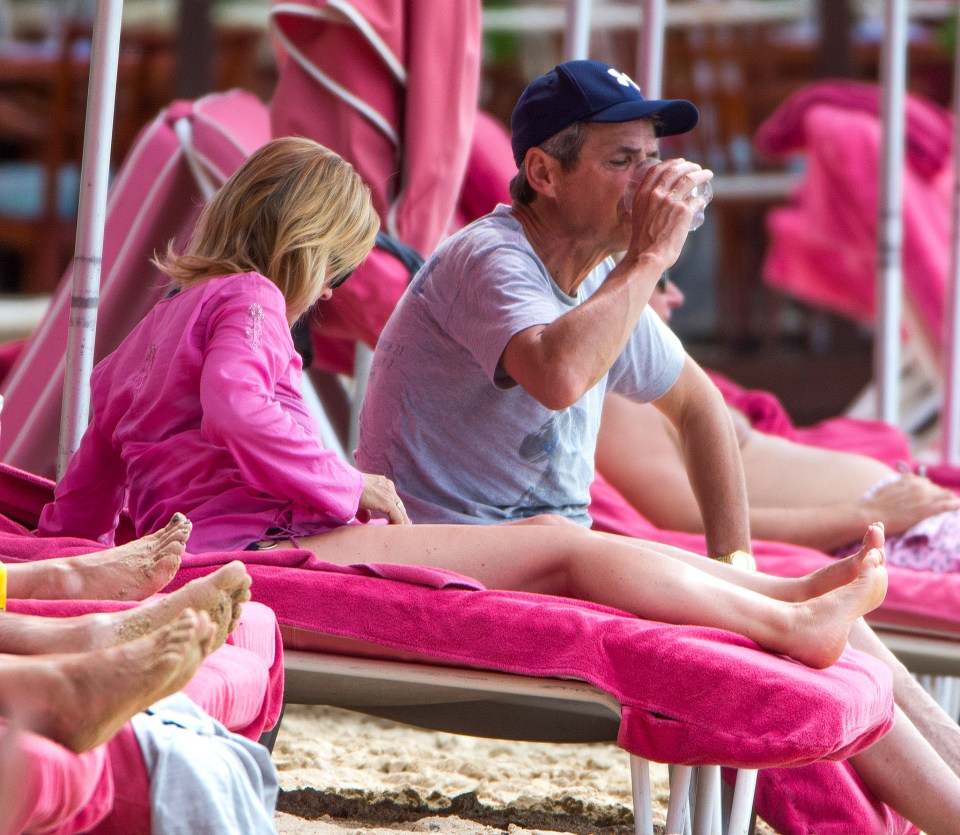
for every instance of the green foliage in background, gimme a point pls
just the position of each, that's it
(499, 47)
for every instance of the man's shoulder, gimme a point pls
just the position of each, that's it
(470, 249)
(499, 226)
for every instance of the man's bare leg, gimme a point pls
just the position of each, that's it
(82, 699)
(573, 562)
(905, 772)
(128, 572)
(219, 594)
(921, 709)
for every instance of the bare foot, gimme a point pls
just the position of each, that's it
(819, 634)
(128, 572)
(843, 571)
(82, 699)
(219, 594)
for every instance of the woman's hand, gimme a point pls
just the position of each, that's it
(380, 496)
(906, 501)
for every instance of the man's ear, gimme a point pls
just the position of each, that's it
(542, 170)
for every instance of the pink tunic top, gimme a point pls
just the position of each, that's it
(199, 410)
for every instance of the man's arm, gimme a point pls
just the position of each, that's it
(559, 362)
(711, 454)
(660, 488)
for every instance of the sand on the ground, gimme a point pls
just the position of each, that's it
(341, 772)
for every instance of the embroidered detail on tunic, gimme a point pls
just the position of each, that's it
(254, 331)
(146, 367)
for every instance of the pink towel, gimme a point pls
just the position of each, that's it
(928, 130)
(770, 711)
(823, 246)
(240, 685)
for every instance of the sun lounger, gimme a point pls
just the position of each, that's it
(436, 649)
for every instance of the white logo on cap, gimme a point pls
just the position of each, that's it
(623, 79)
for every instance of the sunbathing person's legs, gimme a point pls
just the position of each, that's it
(907, 774)
(219, 594)
(921, 709)
(128, 572)
(82, 699)
(570, 561)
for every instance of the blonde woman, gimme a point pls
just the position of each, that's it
(199, 409)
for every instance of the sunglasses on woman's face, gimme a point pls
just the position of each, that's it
(662, 284)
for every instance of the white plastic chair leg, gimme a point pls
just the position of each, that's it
(642, 795)
(706, 793)
(679, 798)
(741, 810)
(708, 800)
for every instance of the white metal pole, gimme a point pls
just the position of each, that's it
(650, 53)
(94, 173)
(950, 413)
(576, 37)
(889, 221)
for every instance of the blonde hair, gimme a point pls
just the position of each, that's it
(294, 212)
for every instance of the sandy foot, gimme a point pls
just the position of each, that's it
(128, 572)
(82, 699)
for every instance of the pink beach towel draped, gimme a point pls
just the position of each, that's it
(823, 245)
(689, 695)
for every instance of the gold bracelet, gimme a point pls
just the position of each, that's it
(3, 587)
(740, 559)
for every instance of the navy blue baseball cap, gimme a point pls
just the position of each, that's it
(590, 91)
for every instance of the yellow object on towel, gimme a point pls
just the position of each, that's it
(3, 587)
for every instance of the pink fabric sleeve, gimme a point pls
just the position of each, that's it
(277, 450)
(90, 496)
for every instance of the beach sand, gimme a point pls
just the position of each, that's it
(345, 773)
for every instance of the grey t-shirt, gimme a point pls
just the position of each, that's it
(461, 441)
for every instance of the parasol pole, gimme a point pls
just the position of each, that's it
(650, 52)
(950, 451)
(91, 217)
(890, 222)
(576, 36)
